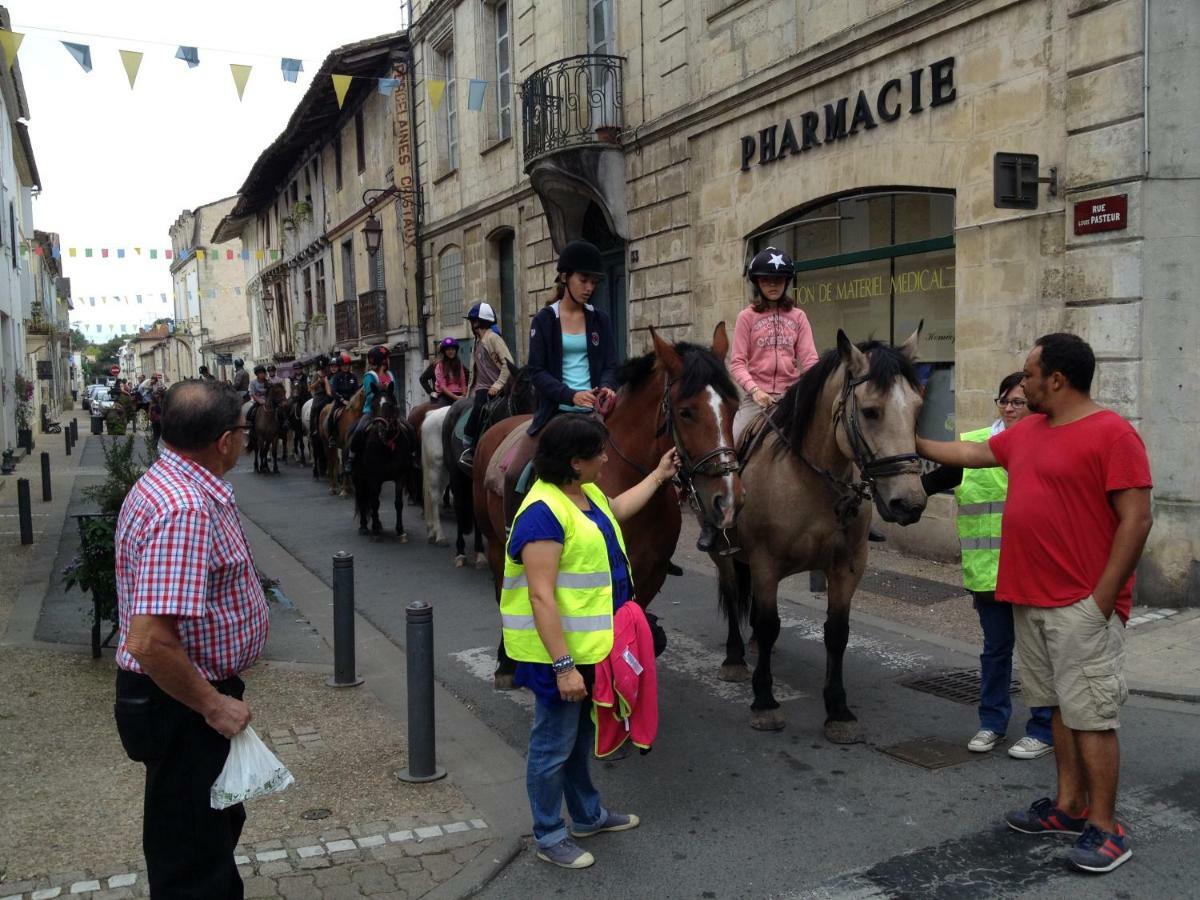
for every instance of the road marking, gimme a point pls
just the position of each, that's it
(692, 659)
(887, 655)
(481, 662)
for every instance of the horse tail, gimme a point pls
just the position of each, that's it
(736, 598)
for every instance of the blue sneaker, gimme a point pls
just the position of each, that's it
(612, 822)
(1099, 851)
(566, 854)
(1043, 817)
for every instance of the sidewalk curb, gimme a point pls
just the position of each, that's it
(489, 772)
(478, 873)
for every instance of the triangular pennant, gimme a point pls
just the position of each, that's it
(132, 61)
(167, 254)
(137, 250)
(258, 254)
(291, 68)
(38, 250)
(200, 254)
(245, 254)
(87, 251)
(475, 93)
(81, 53)
(162, 298)
(189, 55)
(104, 252)
(341, 84)
(120, 254)
(11, 42)
(154, 254)
(387, 86)
(241, 74)
(71, 251)
(437, 87)
(229, 254)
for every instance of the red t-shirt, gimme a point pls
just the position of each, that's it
(1058, 523)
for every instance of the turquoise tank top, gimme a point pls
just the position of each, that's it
(577, 375)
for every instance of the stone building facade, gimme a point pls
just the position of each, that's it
(863, 138)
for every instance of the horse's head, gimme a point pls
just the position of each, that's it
(522, 396)
(876, 411)
(699, 404)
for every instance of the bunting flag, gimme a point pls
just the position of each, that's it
(437, 87)
(241, 74)
(154, 254)
(237, 292)
(104, 252)
(475, 93)
(291, 68)
(189, 55)
(229, 254)
(81, 53)
(132, 61)
(341, 84)
(139, 298)
(387, 86)
(88, 252)
(71, 252)
(201, 255)
(120, 254)
(11, 42)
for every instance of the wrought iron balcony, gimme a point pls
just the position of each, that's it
(372, 312)
(345, 321)
(574, 102)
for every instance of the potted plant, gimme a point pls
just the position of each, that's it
(115, 420)
(24, 391)
(302, 211)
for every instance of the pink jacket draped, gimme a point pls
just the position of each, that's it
(625, 697)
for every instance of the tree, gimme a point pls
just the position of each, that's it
(79, 341)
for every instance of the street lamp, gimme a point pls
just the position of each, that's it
(372, 232)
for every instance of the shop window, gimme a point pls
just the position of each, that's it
(447, 111)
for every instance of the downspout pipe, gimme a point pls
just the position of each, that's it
(1146, 88)
(418, 202)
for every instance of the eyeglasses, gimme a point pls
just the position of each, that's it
(240, 428)
(1015, 404)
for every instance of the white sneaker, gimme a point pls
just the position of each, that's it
(1029, 748)
(984, 741)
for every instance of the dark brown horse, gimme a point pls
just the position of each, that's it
(843, 434)
(677, 395)
(268, 426)
(384, 452)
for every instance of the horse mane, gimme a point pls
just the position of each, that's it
(795, 411)
(701, 368)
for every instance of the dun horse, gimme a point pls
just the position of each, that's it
(677, 395)
(386, 454)
(334, 436)
(844, 433)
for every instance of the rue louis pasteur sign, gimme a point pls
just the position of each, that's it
(844, 117)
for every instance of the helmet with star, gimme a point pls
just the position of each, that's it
(770, 261)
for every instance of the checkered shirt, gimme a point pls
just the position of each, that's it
(181, 552)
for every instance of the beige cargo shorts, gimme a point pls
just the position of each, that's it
(1072, 657)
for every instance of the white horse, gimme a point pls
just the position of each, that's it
(434, 475)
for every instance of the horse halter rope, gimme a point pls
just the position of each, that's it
(717, 463)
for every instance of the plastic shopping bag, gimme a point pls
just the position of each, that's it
(251, 770)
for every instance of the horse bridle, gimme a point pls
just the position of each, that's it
(871, 466)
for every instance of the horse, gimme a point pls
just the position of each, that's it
(517, 398)
(435, 474)
(297, 425)
(386, 454)
(843, 434)
(264, 436)
(676, 395)
(312, 428)
(333, 437)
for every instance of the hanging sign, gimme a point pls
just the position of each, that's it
(1102, 214)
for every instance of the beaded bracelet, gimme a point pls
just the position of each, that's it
(563, 664)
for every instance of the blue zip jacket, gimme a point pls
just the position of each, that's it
(546, 359)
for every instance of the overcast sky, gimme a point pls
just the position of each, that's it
(118, 166)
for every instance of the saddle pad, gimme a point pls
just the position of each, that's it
(497, 472)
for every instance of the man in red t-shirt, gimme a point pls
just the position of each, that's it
(1075, 522)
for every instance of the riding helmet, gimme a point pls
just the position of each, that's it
(447, 343)
(344, 359)
(258, 369)
(770, 261)
(237, 362)
(377, 356)
(481, 310)
(582, 257)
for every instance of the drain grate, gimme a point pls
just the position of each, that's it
(959, 685)
(930, 753)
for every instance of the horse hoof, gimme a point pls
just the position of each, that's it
(503, 682)
(459, 562)
(403, 537)
(844, 732)
(363, 531)
(442, 542)
(766, 720)
(481, 562)
(736, 672)
(432, 539)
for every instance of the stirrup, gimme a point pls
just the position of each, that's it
(729, 550)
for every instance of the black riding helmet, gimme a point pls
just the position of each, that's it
(377, 356)
(258, 369)
(582, 257)
(771, 261)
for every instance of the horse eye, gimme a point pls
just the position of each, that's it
(686, 414)
(872, 414)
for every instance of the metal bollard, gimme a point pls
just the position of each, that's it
(74, 431)
(816, 582)
(45, 477)
(23, 511)
(343, 622)
(422, 754)
(67, 440)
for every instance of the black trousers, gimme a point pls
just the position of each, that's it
(475, 423)
(188, 844)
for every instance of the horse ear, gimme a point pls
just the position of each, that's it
(667, 355)
(720, 344)
(854, 359)
(909, 348)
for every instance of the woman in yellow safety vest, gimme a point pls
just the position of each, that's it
(565, 574)
(980, 494)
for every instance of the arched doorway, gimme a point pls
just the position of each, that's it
(610, 296)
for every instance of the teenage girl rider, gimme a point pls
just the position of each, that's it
(377, 381)
(449, 374)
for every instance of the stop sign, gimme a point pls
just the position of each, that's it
(114, 370)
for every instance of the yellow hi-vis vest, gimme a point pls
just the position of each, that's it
(980, 511)
(583, 589)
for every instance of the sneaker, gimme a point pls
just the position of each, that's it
(1030, 748)
(1043, 817)
(984, 741)
(1099, 851)
(566, 854)
(614, 822)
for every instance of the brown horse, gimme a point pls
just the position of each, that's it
(268, 427)
(335, 436)
(843, 434)
(677, 395)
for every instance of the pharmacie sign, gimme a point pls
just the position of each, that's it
(842, 118)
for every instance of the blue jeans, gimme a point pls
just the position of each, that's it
(560, 746)
(995, 671)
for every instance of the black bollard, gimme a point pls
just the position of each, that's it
(422, 753)
(74, 431)
(67, 441)
(23, 511)
(343, 622)
(45, 477)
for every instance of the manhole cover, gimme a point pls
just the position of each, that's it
(959, 685)
(930, 753)
(312, 814)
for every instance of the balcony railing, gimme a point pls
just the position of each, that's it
(345, 321)
(574, 102)
(372, 312)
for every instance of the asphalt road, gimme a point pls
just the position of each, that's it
(730, 812)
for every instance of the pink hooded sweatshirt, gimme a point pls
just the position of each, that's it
(625, 696)
(771, 349)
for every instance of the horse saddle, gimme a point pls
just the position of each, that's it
(510, 472)
(460, 425)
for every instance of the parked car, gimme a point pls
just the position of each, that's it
(99, 399)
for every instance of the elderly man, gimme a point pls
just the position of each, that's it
(193, 617)
(1075, 521)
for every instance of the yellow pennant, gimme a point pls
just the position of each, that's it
(437, 88)
(70, 251)
(241, 74)
(258, 254)
(11, 42)
(199, 254)
(132, 61)
(341, 84)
